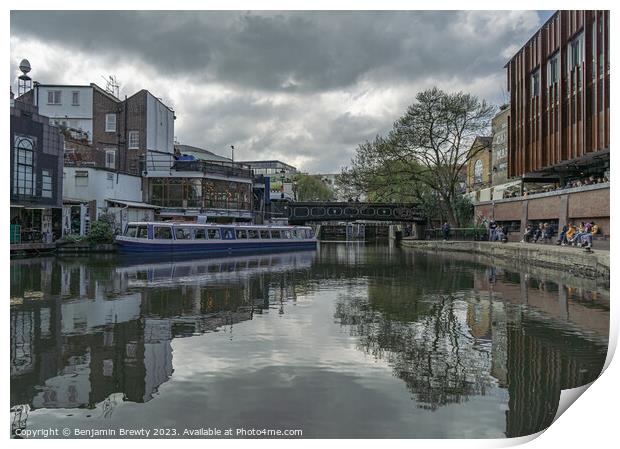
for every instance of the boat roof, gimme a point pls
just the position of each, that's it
(231, 225)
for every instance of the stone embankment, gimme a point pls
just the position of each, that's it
(576, 261)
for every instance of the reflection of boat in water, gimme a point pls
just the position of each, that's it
(187, 270)
(213, 238)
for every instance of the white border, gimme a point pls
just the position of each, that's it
(591, 421)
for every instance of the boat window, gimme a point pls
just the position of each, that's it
(183, 233)
(264, 234)
(200, 234)
(253, 233)
(142, 232)
(161, 232)
(295, 233)
(310, 233)
(242, 234)
(286, 234)
(213, 233)
(276, 234)
(228, 234)
(131, 231)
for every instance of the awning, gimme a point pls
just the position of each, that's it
(134, 204)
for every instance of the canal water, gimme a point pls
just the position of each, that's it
(352, 340)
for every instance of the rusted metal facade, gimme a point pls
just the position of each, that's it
(559, 94)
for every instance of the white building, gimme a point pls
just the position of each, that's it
(89, 192)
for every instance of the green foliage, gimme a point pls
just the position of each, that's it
(311, 188)
(422, 159)
(74, 238)
(464, 210)
(101, 232)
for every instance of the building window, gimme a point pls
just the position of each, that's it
(81, 178)
(75, 98)
(24, 176)
(110, 158)
(575, 53)
(53, 96)
(478, 172)
(46, 184)
(134, 140)
(552, 70)
(110, 123)
(535, 83)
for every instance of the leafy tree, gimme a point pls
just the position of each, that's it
(311, 188)
(425, 153)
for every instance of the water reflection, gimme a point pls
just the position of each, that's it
(486, 346)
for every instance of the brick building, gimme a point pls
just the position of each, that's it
(558, 126)
(90, 114)
(479, 165)
(559, 98)
(113, 133)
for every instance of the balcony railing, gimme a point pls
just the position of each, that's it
(159, 162)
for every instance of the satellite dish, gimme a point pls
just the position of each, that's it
(24, 66)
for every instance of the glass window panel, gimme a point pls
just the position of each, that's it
(131, 231)
(142, 232)
(161, 232)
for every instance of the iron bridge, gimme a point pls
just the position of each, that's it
(345, 211)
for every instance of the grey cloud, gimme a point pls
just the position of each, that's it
(296, 56)
(289, 51)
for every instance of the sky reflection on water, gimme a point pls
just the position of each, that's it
(349, 341)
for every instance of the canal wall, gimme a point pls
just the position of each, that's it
(575, 261)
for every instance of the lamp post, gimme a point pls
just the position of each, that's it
(282, 178)
(232, 150)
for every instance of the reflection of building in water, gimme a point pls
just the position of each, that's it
(83, 333)
(448, 348)
(532, 362)
(486, 318)
(538, 368)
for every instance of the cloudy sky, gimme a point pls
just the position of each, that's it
(302, 87)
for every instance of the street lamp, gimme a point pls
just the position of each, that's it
(282, 178)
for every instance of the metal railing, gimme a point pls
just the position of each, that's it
(465, 234)
(166, 162)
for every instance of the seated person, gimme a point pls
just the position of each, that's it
(528, 234)
(502, 234)
(577, 235)
(595, 228)
(586, 238)
(548, 231)
(562, 237)
(538, 233)
(570, 234)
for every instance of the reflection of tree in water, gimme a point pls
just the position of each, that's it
(432, 351)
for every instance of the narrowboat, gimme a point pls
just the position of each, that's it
(182, 238)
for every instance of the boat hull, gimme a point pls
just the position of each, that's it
(224, 247)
